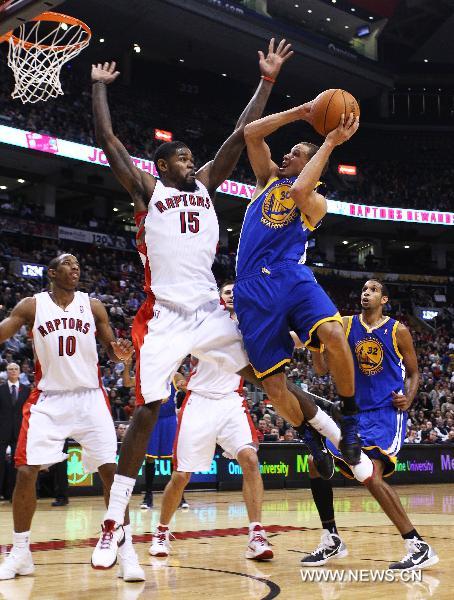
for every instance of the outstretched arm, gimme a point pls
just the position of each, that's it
(139, 185)
(117, 349)
(22, 314)
(221, 167)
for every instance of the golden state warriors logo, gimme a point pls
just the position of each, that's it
(278, 209)
(369, 354)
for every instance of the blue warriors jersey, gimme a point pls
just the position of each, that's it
(168, 408)
(274, 230)
(379, 368)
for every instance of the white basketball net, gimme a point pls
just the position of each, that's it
(36, 58)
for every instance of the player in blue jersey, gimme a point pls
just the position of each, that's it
(387, 379)
(160, 444)
(275, 292)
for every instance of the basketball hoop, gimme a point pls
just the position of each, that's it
(37, 51)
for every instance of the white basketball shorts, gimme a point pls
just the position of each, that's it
(203, 423)
(50, 418)
(164, 336)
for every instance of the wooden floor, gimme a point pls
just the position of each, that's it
(207, 560)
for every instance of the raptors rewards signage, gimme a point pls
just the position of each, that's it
(64, 148)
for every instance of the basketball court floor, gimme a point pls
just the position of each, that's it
(207, 559)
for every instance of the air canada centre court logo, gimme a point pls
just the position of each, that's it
(76, 473)
(278, 209)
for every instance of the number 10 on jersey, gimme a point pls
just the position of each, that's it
(67, 347)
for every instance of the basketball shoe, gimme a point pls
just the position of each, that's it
(129, 567)
(331, 546)
(183, 503)
(316, 444)
(18, 562)
(258, 547)
(105, 554)
(160, 542)
(419, 556)
(147, 501)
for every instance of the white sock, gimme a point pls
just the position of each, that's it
(364, 469)
(254, 524)
(120, 494)
(21, 540)
(325, 425)
(128, 533)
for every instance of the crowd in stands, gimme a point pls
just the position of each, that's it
(431, 419)
(406, 168)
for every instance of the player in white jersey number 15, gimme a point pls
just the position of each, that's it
(68, 401)
(178, 237)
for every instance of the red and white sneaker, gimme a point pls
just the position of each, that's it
(105, 554)
(258, 548)
(160, 542)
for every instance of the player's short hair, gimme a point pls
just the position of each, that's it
(54, 262)
(312, 149)
(166, 150)
(384, 287)
(225, 283)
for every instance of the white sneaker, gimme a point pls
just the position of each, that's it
(419, 556)
(105, 554)
(258, 548)
(160, 542)
(129, 567)
(18, 562)
(331, 546)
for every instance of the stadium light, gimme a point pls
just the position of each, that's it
(115, 209)
(345, 242)
(137, 48)
(229, 229)
(3, 187)
(406, 247)
(101, 40)
(21, 181)
(162, 135)
(350, 170)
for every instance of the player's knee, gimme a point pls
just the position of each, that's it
(313, 472)
(248, 460)
(107, 473)
(331, 334)
(27, 475)
(275, 388)
(181, 478)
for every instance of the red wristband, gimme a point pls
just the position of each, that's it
(268, 79)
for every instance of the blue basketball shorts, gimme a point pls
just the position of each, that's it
(274, 302)
(382, 432)
(160, 444)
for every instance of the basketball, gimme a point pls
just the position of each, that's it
(329, 106)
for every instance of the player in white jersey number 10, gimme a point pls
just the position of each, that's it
(178, 236)
(68, 401)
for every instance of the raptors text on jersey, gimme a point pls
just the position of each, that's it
(65, 344)
(177, 240)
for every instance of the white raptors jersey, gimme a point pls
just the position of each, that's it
(210, 381)
(65, 344)
(181, 237)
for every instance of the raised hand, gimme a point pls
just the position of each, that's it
(344, 130)
(123, 349)
(272, 63)
(105, 73)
